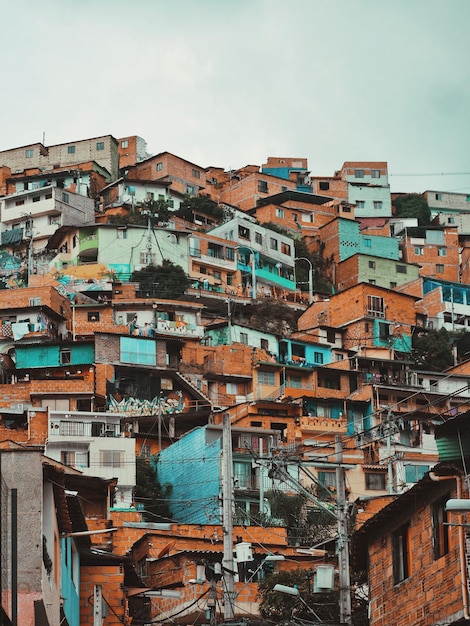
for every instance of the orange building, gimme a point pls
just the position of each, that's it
(415, 560)
(435, 250)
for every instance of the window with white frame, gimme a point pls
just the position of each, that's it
(419, 250)
(442, 252)
(124, 143)
(147, 258)
(280, 213)
(375, 306)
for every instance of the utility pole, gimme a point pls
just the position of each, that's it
(227, 522)
(343, 537)
(341, 517)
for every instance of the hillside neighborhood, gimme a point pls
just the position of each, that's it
(230, 396)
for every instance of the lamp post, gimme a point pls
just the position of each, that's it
(310, 276)
(293, 591)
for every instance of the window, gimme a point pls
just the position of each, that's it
(400, 554)
(413, 473)
(70, 149)
(361, 204)
(145, 451)
(439, 268)
(401, 269)
(65, 356)
(138, 351)
(372, 265)
(264, 344)
(244, 338)
(122, 233)
(147, 258)
(438, 196)
(285, 248)
(243, 232)
(372, 281)
(112, 458)
(159, 167)
(124, 143)
(367, 242)
(327, 479)
(100, 145)
(318, 358)
(263, 186)
(190, 189)
(358, 173)
(295, 382)
(29, 153)
(384, 331)
(324, 185)
(231, 388)
(229, 254)
(375, 306)
(375, 173)
(65, 197)
(273, 243)
(442, 252)
(375, 481)
(280, 213)
(419, 250)
(259, 238)
(196, 174)
(393, 284)
(451, 220)
(378, 204)
(93, 316)
(266, 378)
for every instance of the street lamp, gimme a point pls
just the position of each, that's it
(293, 591)
(310, 276)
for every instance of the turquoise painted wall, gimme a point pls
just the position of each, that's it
(49, 355)
(351, 242)
(70, 592)
(192, 467)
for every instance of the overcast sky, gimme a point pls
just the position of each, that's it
(231, 82)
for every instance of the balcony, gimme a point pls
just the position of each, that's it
(89, 246)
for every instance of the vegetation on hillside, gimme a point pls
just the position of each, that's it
(167, 280)
(149, 494)
(413, 205)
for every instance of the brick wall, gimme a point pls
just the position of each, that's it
(432, 592)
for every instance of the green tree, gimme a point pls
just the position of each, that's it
(157, 210)
(199, 205)
(432, 350)
(149, 494)
(164, 281)
(280, 607)
(413, 205)
(306, 524)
